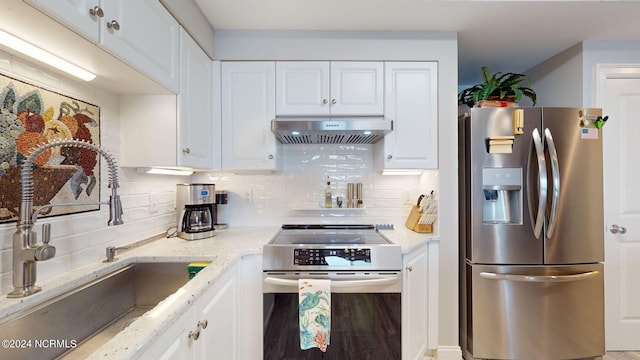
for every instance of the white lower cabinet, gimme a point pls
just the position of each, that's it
(415, 304)
(209, 330)
(226, 321)
(222, 322)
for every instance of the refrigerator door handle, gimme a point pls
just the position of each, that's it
(538, 221)
(540, 278)
(555, 182)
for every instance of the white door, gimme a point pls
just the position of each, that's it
(302, 88)
(619, 96)
(357, 88)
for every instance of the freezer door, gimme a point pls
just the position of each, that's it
(510, 238)
(534, 312)
(574, 225)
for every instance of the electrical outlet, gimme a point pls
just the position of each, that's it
(153, 203)
(407, 199)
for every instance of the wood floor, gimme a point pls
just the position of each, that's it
(363, 327)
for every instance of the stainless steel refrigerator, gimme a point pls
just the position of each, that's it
(531, 234)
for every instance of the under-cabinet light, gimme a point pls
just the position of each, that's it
(46, 57)
(165, 171)
(401, 172)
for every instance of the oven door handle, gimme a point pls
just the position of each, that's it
(337, 284)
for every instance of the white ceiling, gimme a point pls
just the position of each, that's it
(504, 35)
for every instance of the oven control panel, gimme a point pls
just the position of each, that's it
(332, 257)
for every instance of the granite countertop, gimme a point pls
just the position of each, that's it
(223, 250)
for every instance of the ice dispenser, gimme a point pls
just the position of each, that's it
(502, 195)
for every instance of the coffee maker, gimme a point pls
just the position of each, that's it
(195, 204)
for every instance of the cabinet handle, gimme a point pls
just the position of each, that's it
(186, 151)
(270, 157)
(334, 101)
(615, 229)
(96, 11)
(389, 157)
(410, 268)
(195, 335)
(325, 101)
(113, 25)
(203, 324)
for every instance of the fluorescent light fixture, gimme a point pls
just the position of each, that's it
(36, 53)
(402, 172)
(165, 171)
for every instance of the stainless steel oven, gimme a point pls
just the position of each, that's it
(366, 284)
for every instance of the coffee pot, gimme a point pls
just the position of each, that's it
(195, 204)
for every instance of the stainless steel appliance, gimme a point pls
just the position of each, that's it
(323, 130)
(531, 234)
(365, 269)
(194, 210)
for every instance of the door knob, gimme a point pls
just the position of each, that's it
(96, 11)
(113, 25)
(615, 229)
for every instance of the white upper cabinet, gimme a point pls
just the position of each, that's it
(302, 88)
(329, 88)
(145, 35)
(175, 130)
(195, 107)
(142, 33)
(248, 106)
(411, 101)
(82, 16)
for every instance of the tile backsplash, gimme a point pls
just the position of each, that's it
(296, 195)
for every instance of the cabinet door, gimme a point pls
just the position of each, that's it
(74, 14)
(302, 88)
(146, 37)
(411, 101)
(414, 304)
(219, 308)
(175, 342)
(250, 304)
(357, 88)
(248, 106)
(195, 106)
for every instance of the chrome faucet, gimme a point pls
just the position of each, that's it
(26, 251)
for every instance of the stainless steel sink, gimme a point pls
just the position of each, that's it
(75, 324)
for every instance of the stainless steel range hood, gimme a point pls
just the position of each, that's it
(330, 130)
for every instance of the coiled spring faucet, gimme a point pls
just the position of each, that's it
(26, 251)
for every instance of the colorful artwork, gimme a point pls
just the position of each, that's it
(31, 116)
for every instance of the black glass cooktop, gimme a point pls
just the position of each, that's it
(320, 234)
